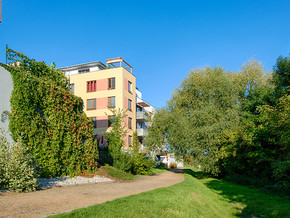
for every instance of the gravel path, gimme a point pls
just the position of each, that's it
(61, 199)
(65, 181)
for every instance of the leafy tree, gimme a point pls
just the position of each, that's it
(202, 107)
(259, 147)
(282, 76)
(254, 86)
(156, 133)
(232, 124)
(115, 137)
(273, 133)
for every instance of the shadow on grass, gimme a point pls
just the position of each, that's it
(175, 170)
(253, 202)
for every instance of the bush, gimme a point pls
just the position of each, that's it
(16, 168)
(4, 149)
(124, 162)
(135, 163)
(172, 165)
(142, 165)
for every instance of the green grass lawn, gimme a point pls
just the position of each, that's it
(158, 170)
(114, 172)
(197, 196)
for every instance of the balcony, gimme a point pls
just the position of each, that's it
(141, 115)
(118, 62)
(141, 132)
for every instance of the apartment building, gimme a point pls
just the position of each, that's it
(103, 87)
(143, 111)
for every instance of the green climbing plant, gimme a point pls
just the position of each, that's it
(49, 118)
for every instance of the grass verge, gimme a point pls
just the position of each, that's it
(119, 174)
(158, 170)
(197, 196)
(153, 172)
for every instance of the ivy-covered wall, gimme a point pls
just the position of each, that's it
(49, 118)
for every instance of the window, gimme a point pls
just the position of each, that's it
(111, 120)
(91, 104)
(139, 125)
(84, 70)
(129, 122)
(130, 140)
(129, 104)
(111, 83)
(91, 86)
(129, 87)
(94, 120)
(111, 102)
(72, 88)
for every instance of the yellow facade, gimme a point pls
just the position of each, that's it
(121, 93)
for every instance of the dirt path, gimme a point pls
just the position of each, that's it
(61, 199)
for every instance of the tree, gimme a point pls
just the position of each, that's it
(232, 124)
(156, 133)
(282, 76)
(258, 150)
(202, 107)
(254, 86)
(116, 134)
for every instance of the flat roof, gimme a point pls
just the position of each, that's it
(85, 65)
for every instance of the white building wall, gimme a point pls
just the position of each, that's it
(73, 72)
(94, 69)
(6, 87)
(138, 95)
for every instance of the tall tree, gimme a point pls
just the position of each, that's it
(202, 107)
(282, 76)
(116, 134)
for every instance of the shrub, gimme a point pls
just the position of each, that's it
(16, 168)
(124, 162)
(172, 165)
(4, 149)
(142, 165)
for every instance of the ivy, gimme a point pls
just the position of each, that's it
(49, 118)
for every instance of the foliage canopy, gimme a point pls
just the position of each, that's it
(230, 123)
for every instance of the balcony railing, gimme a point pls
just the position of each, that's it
(141, 115)
(141, 132)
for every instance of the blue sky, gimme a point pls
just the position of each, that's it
(162, 40)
